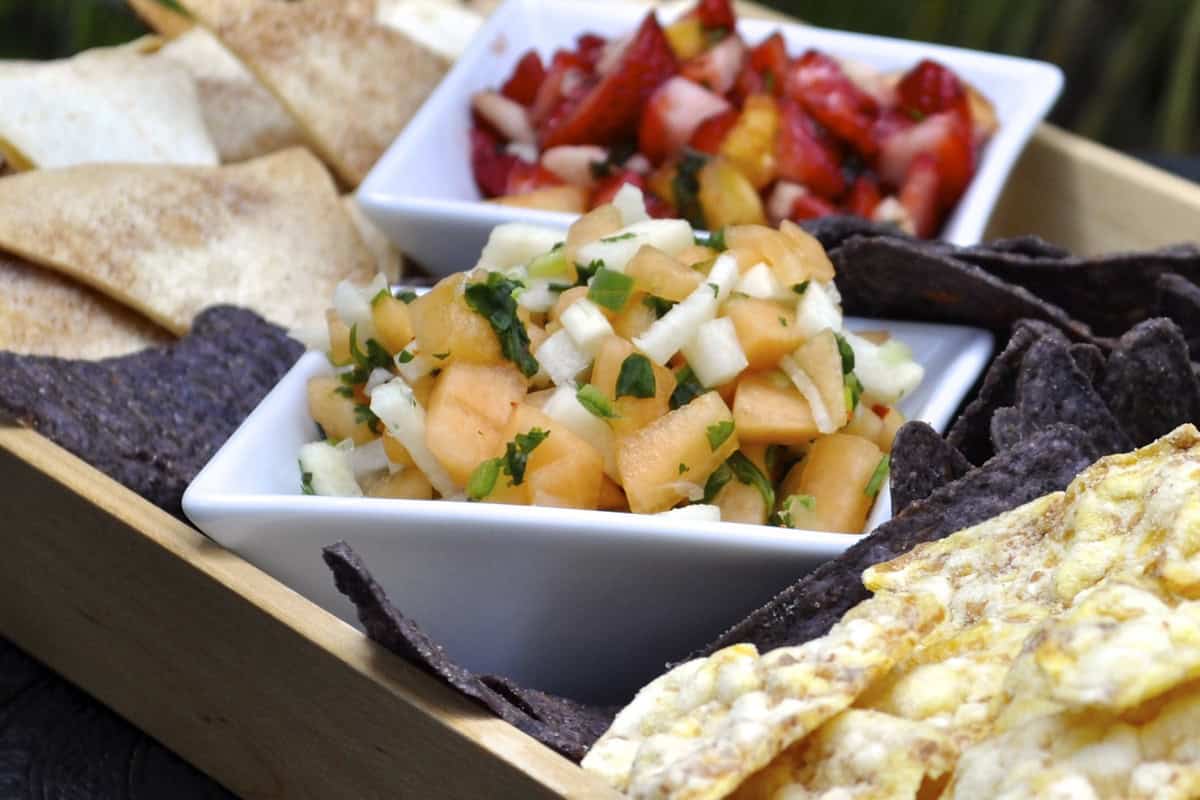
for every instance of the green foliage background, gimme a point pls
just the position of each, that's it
(1133, 66)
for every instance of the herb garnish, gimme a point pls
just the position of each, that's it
(483, 479)
(364, 415)
(516, 457)
(853, 391)
(716, 482)
(636, 378)
(404, 356)
(686, 187)
(718, 432)
(610, 289)
(382, 293)
(658, 305)
(408, 295)
(801, 288)
(748, 473)
(687, 388)
(715, 289)
(494, 300)
(595, 402)
(620, 237)
(306, 481)
(846, 352)
(585, 273)
(878, 476)
(376, 357)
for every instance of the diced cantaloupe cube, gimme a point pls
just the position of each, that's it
(821, 360)
(865, 423)
(407, 484)
(766, 330)
(788, 258)
(810, 250)
(393, 325)
(744, 502)
(567, 298)
(650, 460)
(335, 413)
(769, 410)
(634, 412)
(892, 420)
(467, 412)
(835, 475)
(395, 451)
(339, 339)
(636, 318)
(446, 326)
(696, 254)
(565, 199)
(563, 470)
(601, 221)
(612, 496)
(661, 275)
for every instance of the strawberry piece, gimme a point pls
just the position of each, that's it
(929, 88)
(590, 48)
(672, 115)
(567, 75)
(748, 84)
(526, 78)
(864, 196)
(489, 163)
(769, 58)
(818, 83)
(810, 206)
(711, 133)
(610, 110)
(527, 177)
(919, 195)
(608, 186)
(718, 67)
(716, 14)
(804, 153)
(946, 138)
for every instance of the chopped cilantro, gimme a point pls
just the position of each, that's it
(658, 305)
(363, 414)
(807, 500)
(716, 482)
(404, 356)
(376, 357)
(716, 240)
(516, 454)
(786, 509)
(846, 352)
(435, 372)
(306, 481)
(718, 432)
(686, 187)
(800, 288)
(636, 378)
(483, 479)
(344, 391)
(745, 471)
(853, 391)
(878, 476)
(585, 273)
(595, 402)
(618, 154)
(716, 289)
(442, 356)
(783, 321)
(772, 457)
(610, 289)
(382, 293)
(683, 468)
(408, 295)
(704, 266)
(494, 301)
(687, 388)
(620, 237)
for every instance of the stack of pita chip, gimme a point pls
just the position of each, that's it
(203, 165)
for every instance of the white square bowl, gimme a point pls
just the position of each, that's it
(590, 604)
(423, 195)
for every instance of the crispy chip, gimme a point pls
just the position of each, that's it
(1148, 381)
(350, 82)
(45, 314)
(701, 729)
(269, 234)
(1178, 299)
(922, 462)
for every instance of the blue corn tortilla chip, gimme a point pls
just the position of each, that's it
(1089, 360)
(151, 420)
(1149, 381)
(922, 462)
(564, 725)
(1043, 463)
(1005, 428)
(1178, 299)
(831, 231)
(1026, 245)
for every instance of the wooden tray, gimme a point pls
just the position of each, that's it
(276, 698)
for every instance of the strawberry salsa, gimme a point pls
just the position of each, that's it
(721, 132)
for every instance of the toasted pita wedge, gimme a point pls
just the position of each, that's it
(243, 118)
(349, 81)
(161, 19)
(388, 261)
(269, 234)
(444, 27)
(105, 106)
(45, 314)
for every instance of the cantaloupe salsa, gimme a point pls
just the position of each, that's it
(628, 365)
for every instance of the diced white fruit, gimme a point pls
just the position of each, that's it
(587, 325)
(887, 371)
(415, 368)
(561, 358)
(715, 355)
(538, 297)
(404, 419)
(618, 249)
(368, 459)
(817, 310)
(563, 407)
(808, 388)
(508, 117)
(760, 281)
(331, 472)
(724, 275)
(377, 378)
(353, 304)
(514, 244)
(573, 162)
(630, 204)
(667, 336)
(697, 512)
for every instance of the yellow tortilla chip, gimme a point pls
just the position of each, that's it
(349, 81)
(110, 105)
(244, 120)
(269, 234)
(388, 261)
(161, 19)
(45, 314)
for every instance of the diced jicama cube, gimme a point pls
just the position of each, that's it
(516, 244)
(887, 371)
(563, 406)
(586, 324)
(404, 418)
(368, 459)
(539, 297)
(414, 366)
(328, 470)
(353, 305)
(715, 355)
(760, 282)
(696, 512)
(667, 336)
(631, 204)
(817, 310)
(615, 251)
(561, 358)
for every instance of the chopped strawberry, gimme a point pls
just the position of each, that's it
(566, 76)
(611, 108)
(818, 83)
(711, 133)
(659, 208)
(526, 177)
(526, 78)
(804, 153)
(748, 84)
(490, 164)
(919, 195)
(864, 196)
(946, 138)
(770, 58)
(607, 187)
(717, 68)
(810, 206)
(716, 14)
(672, 115)
(929, 88)
(591, 47)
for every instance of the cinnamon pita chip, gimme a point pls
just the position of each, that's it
(388, 261)
(45, 314)
(269, 234)
(349, 81)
